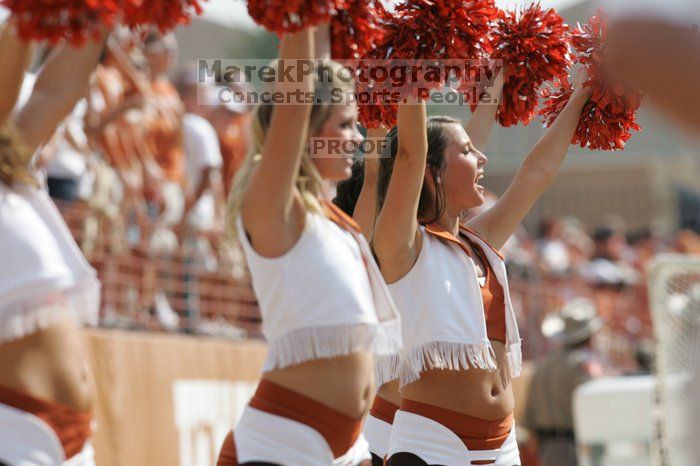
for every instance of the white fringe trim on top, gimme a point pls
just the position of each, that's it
(81, 304)
(386, 369)
(310, 343)
(446, 355)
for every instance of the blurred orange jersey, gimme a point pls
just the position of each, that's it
(110, 89)
(165, 133)
(234, 144)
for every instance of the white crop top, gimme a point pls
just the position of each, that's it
(319, 300)
(43, 274)
(442, 312)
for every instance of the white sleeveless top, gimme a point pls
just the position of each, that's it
(442, 313)
(323, 298)
(43, 274)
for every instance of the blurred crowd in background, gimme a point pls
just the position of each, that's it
(141, 171)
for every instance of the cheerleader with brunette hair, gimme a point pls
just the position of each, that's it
(358, 197)
(461, 341)
(325, 307)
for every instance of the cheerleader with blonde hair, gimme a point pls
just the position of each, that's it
(325, 308)
(47, 288)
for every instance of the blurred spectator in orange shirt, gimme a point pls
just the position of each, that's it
(165, 124)
(232, 124)
(115, 120)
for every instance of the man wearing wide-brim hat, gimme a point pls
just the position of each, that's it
(548, 413)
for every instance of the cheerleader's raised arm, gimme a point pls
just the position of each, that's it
(536, 174)
(272, 185)
(396, 237)
(59, 85)
(365, 212)
(15, 54)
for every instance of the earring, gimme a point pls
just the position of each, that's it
(439, 180)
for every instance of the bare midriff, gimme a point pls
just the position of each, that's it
(344, 383)
(478, 393)
(390, 392)
(50, 364)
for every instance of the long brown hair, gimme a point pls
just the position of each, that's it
(15, 158)
(431, 204)
(329, 77)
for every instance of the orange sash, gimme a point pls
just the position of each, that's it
(383, 410)
(340, 431)
(476, 434)
(340, 218)
(72, 427)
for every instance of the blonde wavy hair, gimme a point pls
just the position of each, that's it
(15, 158)
(329, 77)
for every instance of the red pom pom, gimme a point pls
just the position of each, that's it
(54, 20)
(610, 115)
(534, 46)
(373, 110)
(433, 30)
(282, 16)
(164, 14)
(441, 29)
(356, 29)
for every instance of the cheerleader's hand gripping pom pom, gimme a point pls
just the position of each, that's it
(610, 115)
(286, 16)
(533, 45)
(54, 20)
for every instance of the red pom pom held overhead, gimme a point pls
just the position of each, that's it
(610, 115)
(373, 110)
(442, 29)
(283, 16)
(534, 46)
(357, 29)
(55, 20)
(163, 14)
(80, 20)
(428, 31)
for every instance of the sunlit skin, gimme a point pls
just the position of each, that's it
(341, 129)
(465, 169)
(50, 364)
